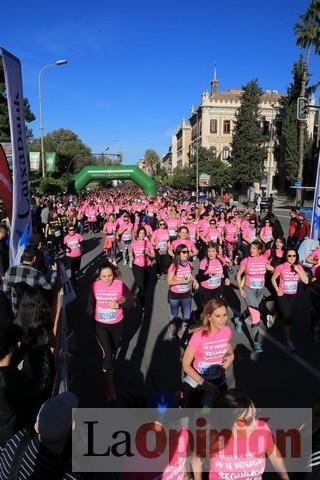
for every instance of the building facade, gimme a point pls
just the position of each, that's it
(211, 126)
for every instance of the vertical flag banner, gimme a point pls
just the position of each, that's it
(21, 211)
(315, 222)
(34, 158)
(50, 161)
(5, 183)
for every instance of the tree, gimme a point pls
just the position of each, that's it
(183, 178)
(4, 114)
(70, 149)
(288, 164)
(152, 162)
(308, 35)
(248, 142)
(218, 170)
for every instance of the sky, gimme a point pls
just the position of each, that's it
(135, 68)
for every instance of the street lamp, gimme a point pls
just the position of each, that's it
(57, 63)
(196, 112)
(271, 146)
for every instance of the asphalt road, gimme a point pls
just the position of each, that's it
(149, 362)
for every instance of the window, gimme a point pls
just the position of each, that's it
(226, 127)
(213, 126)
(225, 153)
(266, 128)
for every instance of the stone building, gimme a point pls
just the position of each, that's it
(212, 122)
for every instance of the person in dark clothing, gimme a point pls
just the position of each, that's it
(4, 251)
(293, 229)
(16, 395)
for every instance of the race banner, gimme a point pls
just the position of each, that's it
(315, 221)
(34, 158)
(50, 161)
(21, 211)
(5, 183)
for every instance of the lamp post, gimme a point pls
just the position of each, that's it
(57, 63)
(271, 146)
(197, 155)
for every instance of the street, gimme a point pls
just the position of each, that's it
(148, 362)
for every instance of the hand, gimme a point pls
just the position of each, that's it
(113, 304)
(280, 293)
(54, 267)
(195, 285)
(269, 267)
(227, 360)
(68, 250)
(242, 293)
(227, 282)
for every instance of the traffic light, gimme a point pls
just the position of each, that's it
(302, 108)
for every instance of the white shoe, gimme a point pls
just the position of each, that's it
(125, 261)
(270, 320)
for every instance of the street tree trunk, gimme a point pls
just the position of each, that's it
(302, 128)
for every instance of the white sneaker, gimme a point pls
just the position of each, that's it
(270, 320)
(125, 261)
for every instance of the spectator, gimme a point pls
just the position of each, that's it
(4, 251)
(34, 319)
(15, 394)
(26, 273)
(42, 454)
(44, 216)
(303, 230)
(293, 228)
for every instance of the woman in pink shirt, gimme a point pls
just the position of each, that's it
(231, 231)
(266, 233)
(108, 299)
(110, 245)
(213, 234)
(289, 274)
(91, 214)
(141, 253)
(180, 280)
(73, 243)
(254, 268)
(160, 241)
(241, 444)
(183, 238)
(208, 354)
(125, 236)
(249, 235)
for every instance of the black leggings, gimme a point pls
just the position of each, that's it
(162, 263)
(206, 294)
(197, 397)
(108, 337)
(74, 264)
(145, 278)
(286, 305)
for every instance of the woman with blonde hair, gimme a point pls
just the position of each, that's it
(208, 354)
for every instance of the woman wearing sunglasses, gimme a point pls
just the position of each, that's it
(241, 444)
(160, 241)
(183, 238)
(73, 243)
(180, 281)
(285, 280)
(249, 235)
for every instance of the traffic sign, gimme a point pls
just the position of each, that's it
(297, 183)
(302, 109)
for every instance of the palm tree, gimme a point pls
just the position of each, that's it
(308, 36)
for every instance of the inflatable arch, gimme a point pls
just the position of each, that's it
(115, 172)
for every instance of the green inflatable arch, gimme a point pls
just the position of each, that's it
(115, 172)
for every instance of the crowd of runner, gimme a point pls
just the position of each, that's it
(203, 250)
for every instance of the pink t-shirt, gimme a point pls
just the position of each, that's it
(172, 224)
(91, 213)
(214, 268)
(249, 234)
(315, 256)
(255, 271)
(243, 458)
(203, 226)
(210, 351)
(192, 227)
(161, 239)
(266, 234)
(103, 295)
(139, 249)
(213, 235)
(288, 279)
(231, 232)
(110, 230)
(73, 242)
(127, 231)
(181, 272)
(189, 244)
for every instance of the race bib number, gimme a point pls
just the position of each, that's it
(192, 237)
(57, 233)
(107, 315)
(256, 283)
(184, 288)
(215, 281)
(290, 286)
(126, 237)
(74, 244)
(163, 246)
(172, 233)
(208, 370)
